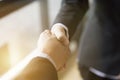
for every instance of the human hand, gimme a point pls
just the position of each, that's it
(50, 45)
(61, 33)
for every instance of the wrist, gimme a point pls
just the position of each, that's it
(46, 56)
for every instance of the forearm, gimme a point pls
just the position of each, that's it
(38, 69)
(32, 68)
(71, 13)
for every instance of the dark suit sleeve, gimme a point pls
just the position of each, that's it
(71, 13)
(38, 69)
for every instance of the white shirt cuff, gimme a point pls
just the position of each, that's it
(104, 75)
(43, 55)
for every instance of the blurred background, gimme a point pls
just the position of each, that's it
(21, 22)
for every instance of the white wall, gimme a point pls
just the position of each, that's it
(54, 6)
(21, 28)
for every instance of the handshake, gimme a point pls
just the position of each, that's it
(55, 44)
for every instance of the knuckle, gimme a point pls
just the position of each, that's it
(46, 31)
(61, 38)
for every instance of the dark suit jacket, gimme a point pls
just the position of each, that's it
(38, 69)
(100, 41)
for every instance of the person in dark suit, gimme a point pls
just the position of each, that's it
(42, 64)
(99, 56)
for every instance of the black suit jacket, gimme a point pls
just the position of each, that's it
(100, 41)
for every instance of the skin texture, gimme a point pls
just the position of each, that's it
(61, 34)
(51, 45)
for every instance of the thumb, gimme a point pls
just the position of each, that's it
(59, 32)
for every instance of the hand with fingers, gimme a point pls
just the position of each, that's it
(61, 32)
(51, 45)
